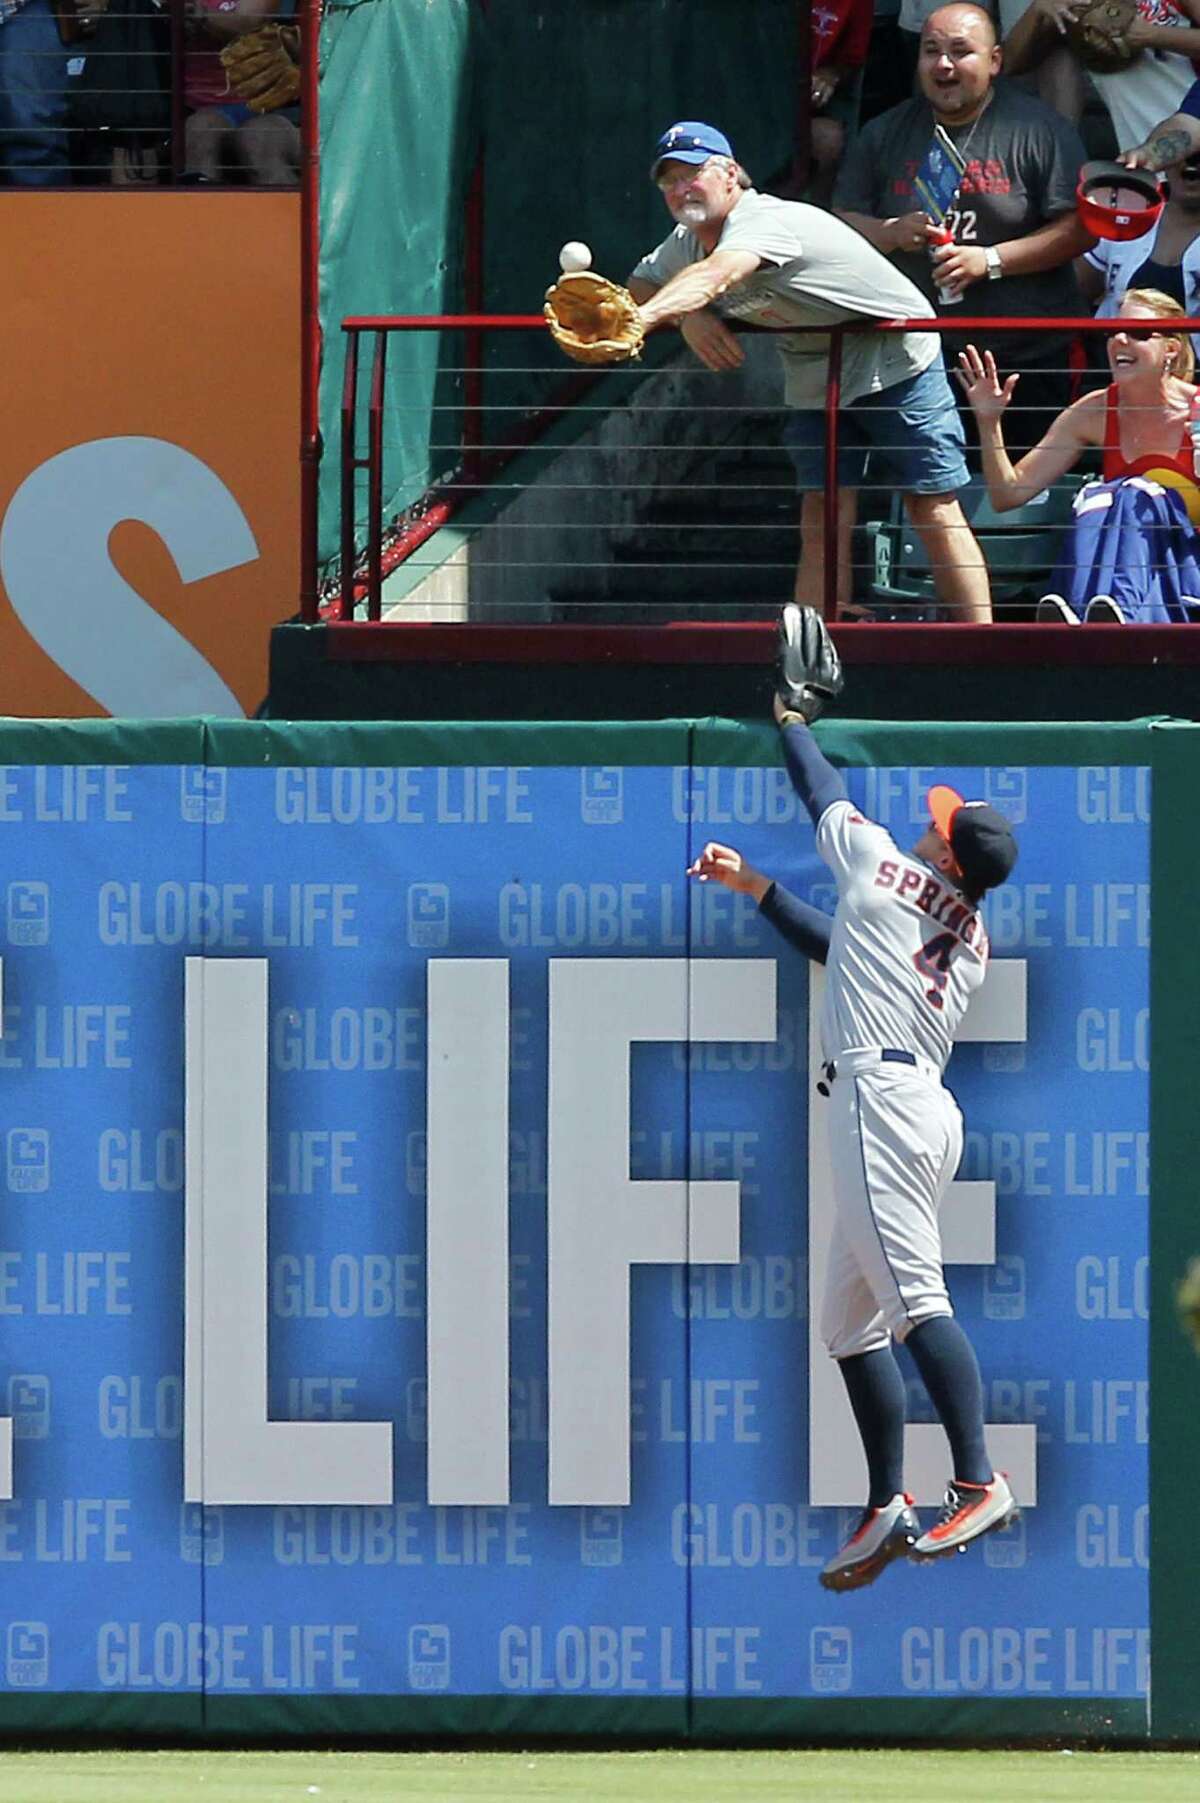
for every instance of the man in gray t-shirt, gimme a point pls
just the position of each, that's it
(781, 265)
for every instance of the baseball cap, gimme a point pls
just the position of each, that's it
(691, 141)
(978, 835)
(1118, 203)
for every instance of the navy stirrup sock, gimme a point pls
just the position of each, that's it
(950, 1372)
(876, 1391)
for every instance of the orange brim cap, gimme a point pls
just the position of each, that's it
(944, 803)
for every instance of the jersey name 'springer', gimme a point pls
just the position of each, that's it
(907, 952)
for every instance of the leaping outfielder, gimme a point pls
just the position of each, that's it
(903, 954)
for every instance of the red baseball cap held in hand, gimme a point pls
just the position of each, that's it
(1118, 203)
(978, 835)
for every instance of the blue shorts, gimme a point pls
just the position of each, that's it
(912, 431)
(236, 112)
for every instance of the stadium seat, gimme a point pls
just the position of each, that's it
(1021, 549)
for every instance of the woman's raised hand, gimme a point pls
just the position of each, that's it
(981, 384)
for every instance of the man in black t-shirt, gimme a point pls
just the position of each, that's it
(1015, 226)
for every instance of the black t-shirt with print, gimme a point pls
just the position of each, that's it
(1023, 162)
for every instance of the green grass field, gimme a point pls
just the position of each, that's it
(693, 1777)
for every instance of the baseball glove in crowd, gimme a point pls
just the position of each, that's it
(1097, 34)
(263, 67)
(592, 319)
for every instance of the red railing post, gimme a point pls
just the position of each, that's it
(310, 317)
(830, 509)
(349, 468)
(375, 480)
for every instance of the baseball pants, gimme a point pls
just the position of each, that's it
(895, 1139)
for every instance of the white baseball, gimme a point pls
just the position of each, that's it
(574, 256)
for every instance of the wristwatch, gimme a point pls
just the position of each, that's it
(995, 267)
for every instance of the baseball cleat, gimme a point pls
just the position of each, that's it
(968, 1511)
(881, 1536)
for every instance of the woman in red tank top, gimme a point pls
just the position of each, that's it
(1139, 423)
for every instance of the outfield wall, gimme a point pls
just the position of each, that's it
(326, 1422)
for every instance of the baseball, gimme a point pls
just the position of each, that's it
(574, 256)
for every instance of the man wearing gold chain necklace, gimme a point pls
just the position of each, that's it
(1014, 223)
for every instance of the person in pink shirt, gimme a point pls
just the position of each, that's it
(220, 127)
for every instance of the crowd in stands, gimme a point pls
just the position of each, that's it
(86, 95)
(1009, 88)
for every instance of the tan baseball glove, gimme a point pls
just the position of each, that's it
(263, 67)
(1097, 35)
(592, 319)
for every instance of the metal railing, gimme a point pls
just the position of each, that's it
(479, 436)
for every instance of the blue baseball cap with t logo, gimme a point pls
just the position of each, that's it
(691, 141)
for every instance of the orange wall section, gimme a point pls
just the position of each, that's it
(149, 498)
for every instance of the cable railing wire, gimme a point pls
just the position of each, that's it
(467, 469)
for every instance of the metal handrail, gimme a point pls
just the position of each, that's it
(477, 467)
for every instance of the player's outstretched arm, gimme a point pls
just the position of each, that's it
(814, 778)
(803, 926)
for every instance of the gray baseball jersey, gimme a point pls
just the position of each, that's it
(907, 950)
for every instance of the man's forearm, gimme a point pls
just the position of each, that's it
(1176, 138)
(688, 292)
(1029, 42)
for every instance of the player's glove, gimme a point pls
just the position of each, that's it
(808, 670)
(1097, 35)
(262, 67)
(592, 319)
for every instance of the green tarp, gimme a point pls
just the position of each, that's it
(565, 103)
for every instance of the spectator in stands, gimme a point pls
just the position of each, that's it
(781, 264)
(1166, 259)
(1056, 75)
(1165, 32)
(841, 34)
(888, 73)
(1132, 554)
(34, 147)
(1058, 79)
(1015, 226)
(219, 126)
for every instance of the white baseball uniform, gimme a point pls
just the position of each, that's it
(907, 952)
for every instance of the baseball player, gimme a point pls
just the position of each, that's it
(903, 953)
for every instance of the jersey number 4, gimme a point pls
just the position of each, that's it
(933, 962)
